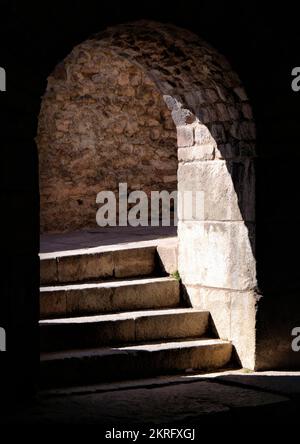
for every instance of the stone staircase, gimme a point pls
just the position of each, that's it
(113, 313)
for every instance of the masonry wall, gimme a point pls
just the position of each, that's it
(102, 122)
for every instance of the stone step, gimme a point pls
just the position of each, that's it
(108, 297)
(98, 263)
(122, 328)
(75, 367)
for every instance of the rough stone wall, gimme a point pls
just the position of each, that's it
(102, 122)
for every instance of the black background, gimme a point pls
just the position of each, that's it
(261, 40)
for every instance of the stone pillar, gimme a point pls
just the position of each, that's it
(216, 249)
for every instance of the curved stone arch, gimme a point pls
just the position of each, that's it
(197, 82)
(215, 137)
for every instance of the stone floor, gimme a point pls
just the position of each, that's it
(103, 237)
(187, 400)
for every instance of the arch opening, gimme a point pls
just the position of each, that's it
(158, 108)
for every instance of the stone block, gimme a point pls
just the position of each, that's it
(48, 271)
(196, 152)
(134, 262)
(217, 254)
(243, 327)
(233, 315)
(185, 135)
(146, 293)
(222, 112)
(84, 267)
(176, 324)
(89, 299)
(241, 93)
(218, 133)
(168, 255)
(57, 369)
(54, 304)
(228, 188)
(217, 302)
(202, 135)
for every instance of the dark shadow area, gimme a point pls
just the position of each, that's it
(285, 384)
(169, 400)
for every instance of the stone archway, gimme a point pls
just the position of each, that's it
(187, 80)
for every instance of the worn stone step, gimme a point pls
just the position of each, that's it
(98, 263)
(129, 327)
(90, 366)
(108, 297)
